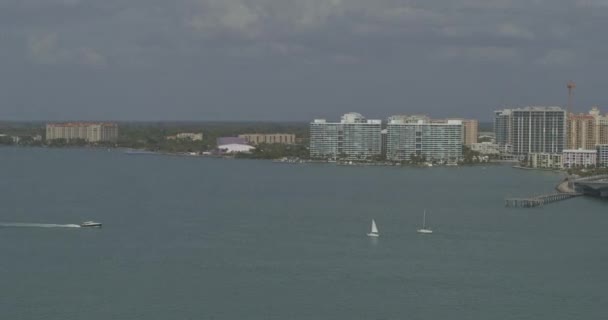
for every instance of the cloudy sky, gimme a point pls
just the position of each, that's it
(296, 59)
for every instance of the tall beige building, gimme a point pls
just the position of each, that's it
(470, 128)
(585, 131)
(257, 138)
(90, 132)
(601, 125)
(581, 132)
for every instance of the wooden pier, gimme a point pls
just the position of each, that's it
(538, 201)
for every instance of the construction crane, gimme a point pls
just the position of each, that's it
(571, 85)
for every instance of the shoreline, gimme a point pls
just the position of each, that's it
(144, 152)
(564, 186)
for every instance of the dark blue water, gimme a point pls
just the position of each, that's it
(192, 238)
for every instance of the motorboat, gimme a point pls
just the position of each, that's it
(90, 224)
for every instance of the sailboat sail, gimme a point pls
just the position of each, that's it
(374, 228)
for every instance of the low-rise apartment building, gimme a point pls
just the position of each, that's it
(90, 132)
(187, 135)
(257, 138)
(486, 148)
(545, 160)
(579, 158)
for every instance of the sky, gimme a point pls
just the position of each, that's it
(295, 60)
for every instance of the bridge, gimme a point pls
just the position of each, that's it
(596, 186)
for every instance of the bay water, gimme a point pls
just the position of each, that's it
(200, 238)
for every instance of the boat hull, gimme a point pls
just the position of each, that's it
(424, 231)
(97, 225)
(373, 235)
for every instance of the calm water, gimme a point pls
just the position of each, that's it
(191, 238)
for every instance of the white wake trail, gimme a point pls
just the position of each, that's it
(37, 225)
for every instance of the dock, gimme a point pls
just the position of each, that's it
(538, 201)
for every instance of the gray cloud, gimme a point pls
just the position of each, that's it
(288, 59)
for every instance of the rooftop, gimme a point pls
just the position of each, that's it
(80, 124)
(532, 108)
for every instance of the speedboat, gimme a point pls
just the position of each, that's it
(90, 224)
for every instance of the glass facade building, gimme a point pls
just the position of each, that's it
(353, 138)
(432, 141)
(531, 129)
(602, 155)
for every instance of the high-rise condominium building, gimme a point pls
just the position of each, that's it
(502, 128)
(353, 138)
(470, 129)
(602, 155)
(601, 126)
(581, 131)
(585, 131)
(257, 138)
(438, 141)
(90, 132)
(531, 129)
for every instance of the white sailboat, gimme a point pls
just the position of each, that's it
(374, 232)
(424, 229)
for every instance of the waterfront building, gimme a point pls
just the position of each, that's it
(230, 140)
(470, 129)
(90, 132)
(545, 160)
(413, 118)
(602, 155)
(487, 136)
(587, 130)
(280, 138)
(353, 138)
(601, 126)
(324, 139)
(486, 148)
(531, 129)
(383, 133)
(502, 128)
(434, 141)
(235, 148)
(187, 135)
(582, 133)
(579, 158)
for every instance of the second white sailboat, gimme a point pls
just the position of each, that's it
(424, 229)
(374, 232)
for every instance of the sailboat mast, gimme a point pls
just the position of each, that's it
(424, 219)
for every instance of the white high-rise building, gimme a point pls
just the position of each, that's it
(353, 138)
(432, 141)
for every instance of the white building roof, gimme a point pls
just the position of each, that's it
(234, 147)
